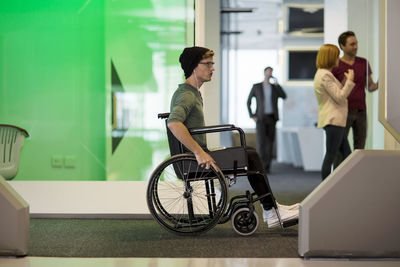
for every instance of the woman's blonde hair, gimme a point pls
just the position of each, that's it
(327, 56)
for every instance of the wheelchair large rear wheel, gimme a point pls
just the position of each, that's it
(185, 198)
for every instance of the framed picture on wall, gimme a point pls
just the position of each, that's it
(303, 19)
(299, 65)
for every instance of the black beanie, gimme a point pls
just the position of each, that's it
(190, 58)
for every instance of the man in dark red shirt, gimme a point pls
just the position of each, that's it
(357, 115)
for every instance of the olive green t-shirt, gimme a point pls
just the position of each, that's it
(187, 107)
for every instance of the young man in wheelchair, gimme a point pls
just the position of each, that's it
(186, 112)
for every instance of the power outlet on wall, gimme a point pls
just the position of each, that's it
(57, 161)
(69, 161)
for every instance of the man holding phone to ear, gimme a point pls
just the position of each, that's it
(266, 114)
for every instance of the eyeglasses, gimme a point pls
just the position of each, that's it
(209, 64)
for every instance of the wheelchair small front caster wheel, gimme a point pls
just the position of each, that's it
(243, 222)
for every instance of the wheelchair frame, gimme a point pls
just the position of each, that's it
(178, 203)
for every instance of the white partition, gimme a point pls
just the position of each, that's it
(14, 222)
(84, 199)
(354, 212)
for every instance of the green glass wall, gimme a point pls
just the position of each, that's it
(144, 39)
(86, 80)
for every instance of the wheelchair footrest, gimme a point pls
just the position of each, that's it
(287, 224)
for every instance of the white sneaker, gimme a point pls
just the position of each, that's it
(290, 207)
(271, 218)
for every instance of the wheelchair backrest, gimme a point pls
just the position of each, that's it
(175, 147)
(232, 160)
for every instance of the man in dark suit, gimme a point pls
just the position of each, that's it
(266, 115)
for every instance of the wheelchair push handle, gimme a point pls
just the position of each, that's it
(163, 115)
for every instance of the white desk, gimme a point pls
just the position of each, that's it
(301, 146)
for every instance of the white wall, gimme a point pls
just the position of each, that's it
(207, 34)
(87, 199)
(335, 14)
(366, 28)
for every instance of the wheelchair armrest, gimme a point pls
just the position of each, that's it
(212, 129)
(220, 128)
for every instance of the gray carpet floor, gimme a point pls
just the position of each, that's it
(145, 238)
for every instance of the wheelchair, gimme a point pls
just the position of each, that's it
(187, 199)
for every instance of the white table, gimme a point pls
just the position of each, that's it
(301, 146)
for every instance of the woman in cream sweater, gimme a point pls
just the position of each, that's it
(332, 105)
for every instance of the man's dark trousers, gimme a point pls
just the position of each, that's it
(265, 128)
